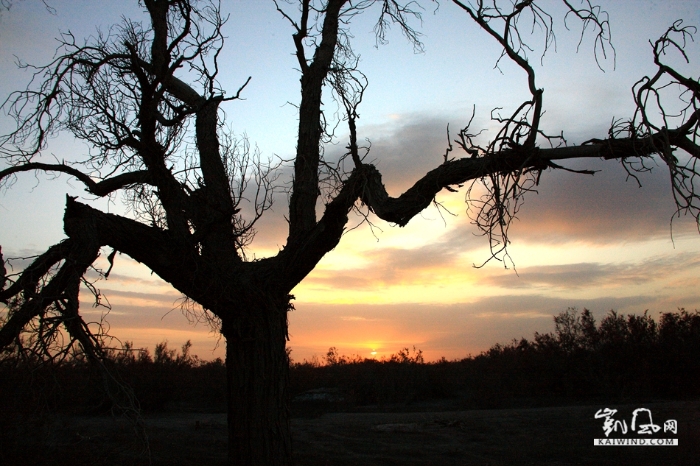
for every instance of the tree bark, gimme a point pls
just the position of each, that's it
(257, 369)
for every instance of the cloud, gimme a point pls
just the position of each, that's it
(408, 147)
(18, 260)
(443, 252)
(391, 266)
(560, 276)
(135, 315)
(128, 279)
(604, 208)
(169, 297)
(357, 319)
(583, 275)
(346, 280)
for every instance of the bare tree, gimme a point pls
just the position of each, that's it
(163, 143)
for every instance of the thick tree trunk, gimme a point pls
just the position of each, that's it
(257, 370)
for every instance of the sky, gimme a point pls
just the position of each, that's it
(598, 242)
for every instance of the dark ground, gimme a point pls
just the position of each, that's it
(428, 435)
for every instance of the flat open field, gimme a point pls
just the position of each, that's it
(541, 436)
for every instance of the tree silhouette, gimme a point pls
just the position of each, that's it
(164, 145)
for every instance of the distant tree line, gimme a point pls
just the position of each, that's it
(622, 358)
(629, 357)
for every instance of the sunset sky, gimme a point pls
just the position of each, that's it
(597, 242)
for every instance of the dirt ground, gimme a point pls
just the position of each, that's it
(539, 436)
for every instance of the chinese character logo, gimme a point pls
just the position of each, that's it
(671, 426)
(610, 424)
(649, 428)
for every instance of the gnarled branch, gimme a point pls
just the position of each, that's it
(98, 188)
